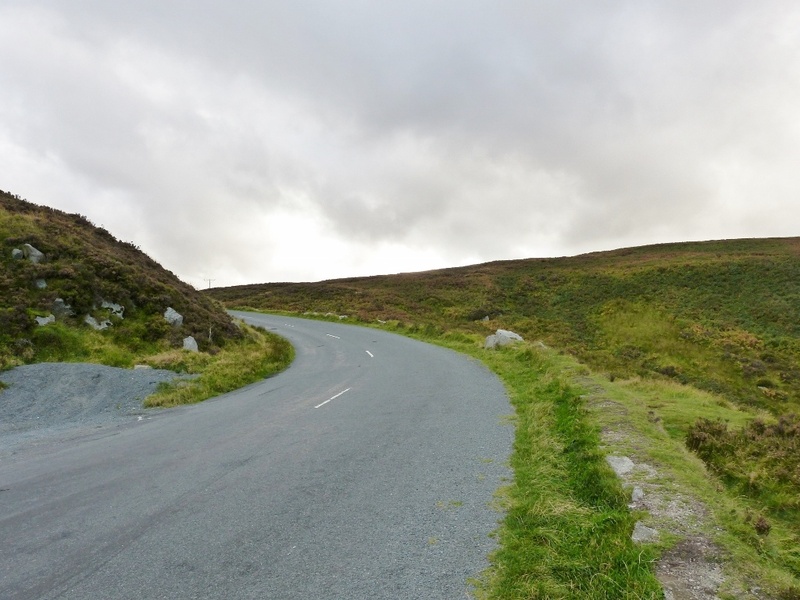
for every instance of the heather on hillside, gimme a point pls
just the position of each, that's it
(722, 316)
(85, 265)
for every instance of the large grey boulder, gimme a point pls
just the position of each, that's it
(502, 337)
(32, 254)
(17, 254)
(190, 344)
(173, 317)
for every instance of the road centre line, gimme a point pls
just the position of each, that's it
(371, 355)
(332, 398)
(333, 336)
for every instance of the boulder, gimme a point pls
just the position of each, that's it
(173, 317)
(40, 284)
(17, 254)
(32, 254)
(502, 337)
(190, 344)
(94, 324)
(116, 309)
(622, 465)
(45, 320)
(643, 534)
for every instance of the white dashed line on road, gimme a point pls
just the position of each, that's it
(332, 398)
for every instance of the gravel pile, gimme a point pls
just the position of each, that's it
(51, 398)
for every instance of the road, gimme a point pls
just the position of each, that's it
(365, 470)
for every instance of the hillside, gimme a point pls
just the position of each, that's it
(661, 354)
(723, 316)
(85, 266)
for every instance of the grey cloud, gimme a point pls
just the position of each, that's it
(462, 128)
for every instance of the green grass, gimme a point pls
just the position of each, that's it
(258, 355)
(567, 529)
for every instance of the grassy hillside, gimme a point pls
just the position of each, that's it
(722, 316)
(695, 348)
(85, 266)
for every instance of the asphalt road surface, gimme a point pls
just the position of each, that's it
(366, 470)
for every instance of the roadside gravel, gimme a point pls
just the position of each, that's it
(49, 400)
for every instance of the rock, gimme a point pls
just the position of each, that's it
(637, 495)
(61, 309)
(189, 343)
(139, 367)
(32, 254)
(485, 319)
(45, 320)
(40, 284)
(94, 324)
(173, 317)
(643, 534)
(502, 337)
(116, 309)
(620, 464)
(17, 254)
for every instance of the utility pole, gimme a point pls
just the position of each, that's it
(209, 282)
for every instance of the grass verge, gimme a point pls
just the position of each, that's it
(567, 528)
(258, 355)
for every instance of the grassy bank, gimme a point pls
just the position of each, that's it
(253, 355)
(258, 355)
(567, 530)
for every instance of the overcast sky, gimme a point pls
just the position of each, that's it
(250, 141)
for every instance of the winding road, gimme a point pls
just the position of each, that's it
(365, 470)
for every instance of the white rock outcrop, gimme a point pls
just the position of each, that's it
(190, 344)
(502, 337)
(42, 321)
(32, 254)
(173, 317)
(116, 309)
(95, 324)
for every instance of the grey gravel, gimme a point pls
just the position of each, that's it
(47, 399)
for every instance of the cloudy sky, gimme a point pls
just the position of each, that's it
(298, 140)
